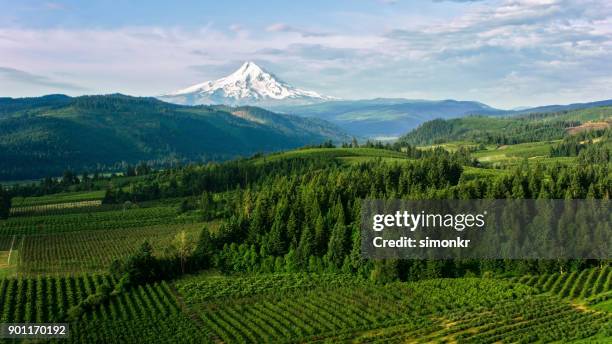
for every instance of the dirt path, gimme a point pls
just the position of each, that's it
(8, 261)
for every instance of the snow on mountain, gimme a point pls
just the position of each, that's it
(249, 85)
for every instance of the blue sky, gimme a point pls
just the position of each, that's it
(505, 53)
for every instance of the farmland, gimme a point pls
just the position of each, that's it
(56, 238)
(307, 308)
(265, 250)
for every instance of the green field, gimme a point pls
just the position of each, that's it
(508, 155)
(338, 153)
(95, 220)
(306, 308)
(93, 250)
(60, 257)
(340, 309)
(67, 197)
(532, 150)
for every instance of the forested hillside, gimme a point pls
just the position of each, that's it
(47, 135)
(508, 130)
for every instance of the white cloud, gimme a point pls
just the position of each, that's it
(283, 27)
(507, 53)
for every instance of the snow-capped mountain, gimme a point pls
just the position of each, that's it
(249, 85)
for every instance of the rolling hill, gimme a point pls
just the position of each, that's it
(510, 129)
(46, 135)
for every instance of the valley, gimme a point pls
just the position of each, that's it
(42, 137)
(61, 256)
(292, 172)
(267, 248)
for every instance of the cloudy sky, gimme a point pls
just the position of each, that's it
(506, 53)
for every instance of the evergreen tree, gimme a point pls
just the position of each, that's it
(204, 249)
(336, 250)
(306, 247)
(5, 203)
(142, 267)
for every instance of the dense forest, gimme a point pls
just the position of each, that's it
(591, 147)
(504, 130)
(304, 214)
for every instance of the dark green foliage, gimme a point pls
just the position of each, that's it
(595, 154)
(503, 130)
(43, 137)
(204, 250)
(5, 203)
(573, 146)
(142, 267)
(303, 213)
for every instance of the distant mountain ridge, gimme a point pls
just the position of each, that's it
(381, 117)
(391, 118)
(44, 136)
(568, 107)
(248, 85)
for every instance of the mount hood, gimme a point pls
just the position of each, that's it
(249, 85)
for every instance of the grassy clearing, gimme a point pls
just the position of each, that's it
(331, 153)
(360, 159)
(518, 151)
(452, 146)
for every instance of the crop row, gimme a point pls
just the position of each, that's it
(204, 287)
(148, 313)
(44, 299)
(113, 219)
(89, 251)
(50, 208)
(574, 285)
(466, 310)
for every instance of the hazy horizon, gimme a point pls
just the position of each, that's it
(504, 53)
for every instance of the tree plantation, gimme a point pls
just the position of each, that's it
(268, 249)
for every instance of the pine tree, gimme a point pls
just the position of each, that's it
(5, 203)
(204, 250)
(306, 247)
(293, 235)
(336, 250)
(320, 235)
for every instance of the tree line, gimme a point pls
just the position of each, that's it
(304, 214)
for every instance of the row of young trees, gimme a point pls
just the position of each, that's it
(72, 181)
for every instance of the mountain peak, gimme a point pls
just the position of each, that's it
(250, 67)
(248, 85)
